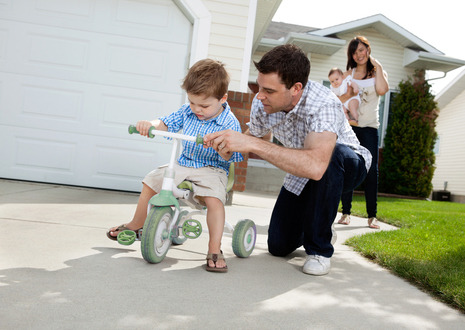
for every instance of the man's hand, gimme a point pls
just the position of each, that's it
(309, 162)
(228, 141)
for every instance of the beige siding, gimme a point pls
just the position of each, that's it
(385, 50)
(389, 53)
(450, 159)
(228, 35)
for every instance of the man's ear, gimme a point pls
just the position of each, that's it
(296, 88)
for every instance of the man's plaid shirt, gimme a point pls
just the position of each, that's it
(318, 110)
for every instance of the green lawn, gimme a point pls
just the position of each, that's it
(428, 249)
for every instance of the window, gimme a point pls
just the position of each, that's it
(437, 146)
(385, 105)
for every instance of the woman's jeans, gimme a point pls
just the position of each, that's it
(368, 138)
(306, 219)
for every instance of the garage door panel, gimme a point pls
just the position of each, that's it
(150, 68)
(79, 8)
(152, 65)
(160, 18)
(74, 74)
(36, 102)
(6, 6)
(77, 56)
(34, 155)
(30, 153)
(57, 104)
(114, 163)
(3, 42)
(46, 51)
(123, 165)
(149, 14)
(124, 110)
(57, 51)
(32, 102)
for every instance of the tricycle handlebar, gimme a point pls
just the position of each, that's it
(153, 131)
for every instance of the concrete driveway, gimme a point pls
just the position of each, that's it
(58, 270)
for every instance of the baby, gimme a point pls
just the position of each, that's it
(339, 87)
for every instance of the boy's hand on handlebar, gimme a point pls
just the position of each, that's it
(143, 127)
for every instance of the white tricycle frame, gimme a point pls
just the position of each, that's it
(167, 223)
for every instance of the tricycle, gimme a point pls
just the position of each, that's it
(167, 223)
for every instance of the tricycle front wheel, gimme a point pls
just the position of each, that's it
(156, 238)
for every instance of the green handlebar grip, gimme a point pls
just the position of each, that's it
(132, 129)
(150, 132)
(199, 139)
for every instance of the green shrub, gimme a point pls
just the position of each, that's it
(408, 158)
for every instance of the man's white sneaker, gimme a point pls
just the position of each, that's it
(317, 265)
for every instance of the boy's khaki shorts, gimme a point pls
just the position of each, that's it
(206, 181)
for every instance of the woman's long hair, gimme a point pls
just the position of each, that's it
(352, 48)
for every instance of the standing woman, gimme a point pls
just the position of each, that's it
(368, 74)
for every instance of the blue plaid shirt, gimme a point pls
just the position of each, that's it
(318, 110)
(197, 156)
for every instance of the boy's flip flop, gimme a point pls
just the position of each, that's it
(215, 257)
(117, 231)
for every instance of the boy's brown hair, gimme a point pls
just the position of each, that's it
(207, 77)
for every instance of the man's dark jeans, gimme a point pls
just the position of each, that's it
(307, 219)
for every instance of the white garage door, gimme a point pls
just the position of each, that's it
(74, 74)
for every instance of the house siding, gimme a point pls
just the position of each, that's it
(450, 157)
(228, 36)
(389, 53)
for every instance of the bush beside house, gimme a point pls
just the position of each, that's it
(408, 156)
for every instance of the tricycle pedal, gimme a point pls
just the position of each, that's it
(127, 237)
(191, 228)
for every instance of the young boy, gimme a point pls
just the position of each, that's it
(206, 85)
(339, 86)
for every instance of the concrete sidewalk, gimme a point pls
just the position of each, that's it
(58, 270)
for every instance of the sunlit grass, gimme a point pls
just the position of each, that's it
(428, 249)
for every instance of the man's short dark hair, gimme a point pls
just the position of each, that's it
(289, 62)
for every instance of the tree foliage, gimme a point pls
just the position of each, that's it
(408, 157)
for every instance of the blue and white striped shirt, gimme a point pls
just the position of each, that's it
(197, 156)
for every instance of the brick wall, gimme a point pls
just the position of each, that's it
(240, 104)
